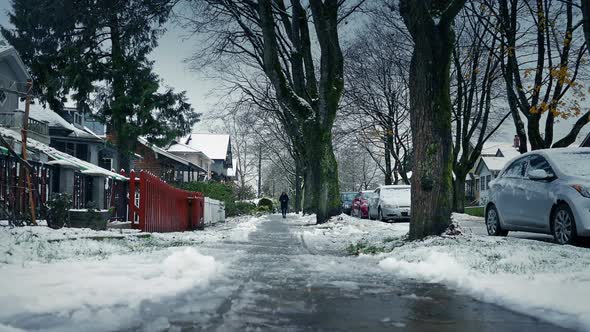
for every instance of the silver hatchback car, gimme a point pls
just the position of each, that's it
(544, 191)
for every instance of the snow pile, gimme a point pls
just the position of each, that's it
(20, 245)
(547, 281)
(343, 231)
(93, 294)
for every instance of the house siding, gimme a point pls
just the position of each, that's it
(11, 103)
(152, 164)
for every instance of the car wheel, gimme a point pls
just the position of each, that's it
(493, 222)
(564, 225)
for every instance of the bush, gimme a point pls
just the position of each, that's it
(216, 190)
(243, 208)
(267, 203)
(263, 209)
(58, 214)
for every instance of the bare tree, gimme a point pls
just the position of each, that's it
(276, 39)
(375, 103)
(477, 112)
(541, 52)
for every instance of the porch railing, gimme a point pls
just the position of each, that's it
(15, 120)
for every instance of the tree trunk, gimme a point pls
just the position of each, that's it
(118, 118)
(297, 186)
(459, 192)
(430, 119)
(322, 183)
(388, 150)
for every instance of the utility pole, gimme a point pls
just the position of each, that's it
(259, 170)
(27, 173)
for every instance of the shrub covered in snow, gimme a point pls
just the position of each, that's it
(59, 206)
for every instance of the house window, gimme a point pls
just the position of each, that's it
(78, 118)
(70, 149)
(106, 163)
(3, 97)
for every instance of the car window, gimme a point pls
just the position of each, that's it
(538, 162)
(517, 169)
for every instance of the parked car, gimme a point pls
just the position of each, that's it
(393, 203)
(544, 191)
(360, 204)
(346, 199)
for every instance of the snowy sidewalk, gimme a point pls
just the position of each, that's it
(85, 280)
(267, 273)
(533, 277)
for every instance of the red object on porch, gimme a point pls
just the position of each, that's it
(162, 207)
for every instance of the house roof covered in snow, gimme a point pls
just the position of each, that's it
(494, 164)
(169, 155)
(54, 120)
(215, 146)
(10, 53)
(62, 158)
(507, 150)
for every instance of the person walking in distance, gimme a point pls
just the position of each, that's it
(284, 199)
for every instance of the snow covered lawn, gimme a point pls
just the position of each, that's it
(541, 279)
(99, 280)
(344, 231)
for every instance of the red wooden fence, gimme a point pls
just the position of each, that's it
(162, 207)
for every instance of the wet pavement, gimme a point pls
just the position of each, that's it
(276, 283)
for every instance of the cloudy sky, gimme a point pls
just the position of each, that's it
(175, 46)
(169, 59)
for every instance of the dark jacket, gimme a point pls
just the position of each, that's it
(284, 199)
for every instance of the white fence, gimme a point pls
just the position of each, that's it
(214, 211)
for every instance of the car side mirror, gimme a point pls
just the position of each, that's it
(539, 174)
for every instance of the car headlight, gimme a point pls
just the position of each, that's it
(388, 206)
(583, 190)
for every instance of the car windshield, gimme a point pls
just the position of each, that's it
(369, 195)
(400, 196)
(348, 197)
(573, 163)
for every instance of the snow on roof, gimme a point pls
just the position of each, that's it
(53, 119)
(7, 50)
(495, 163)
(179, 147)
(215, 146)
(491, 148)
(167, 154)
(232, 171)
(62, 158)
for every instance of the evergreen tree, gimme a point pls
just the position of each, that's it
(95, 51)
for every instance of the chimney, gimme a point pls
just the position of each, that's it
(516, 142)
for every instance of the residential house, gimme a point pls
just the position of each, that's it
(195, 156)
(166, 165)
(217, 147)
(62, 153)
(493, 158)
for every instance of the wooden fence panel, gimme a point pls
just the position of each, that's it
(162, 207)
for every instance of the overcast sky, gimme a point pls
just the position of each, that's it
(174, 48)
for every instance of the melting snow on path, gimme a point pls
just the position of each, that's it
(544, 280)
